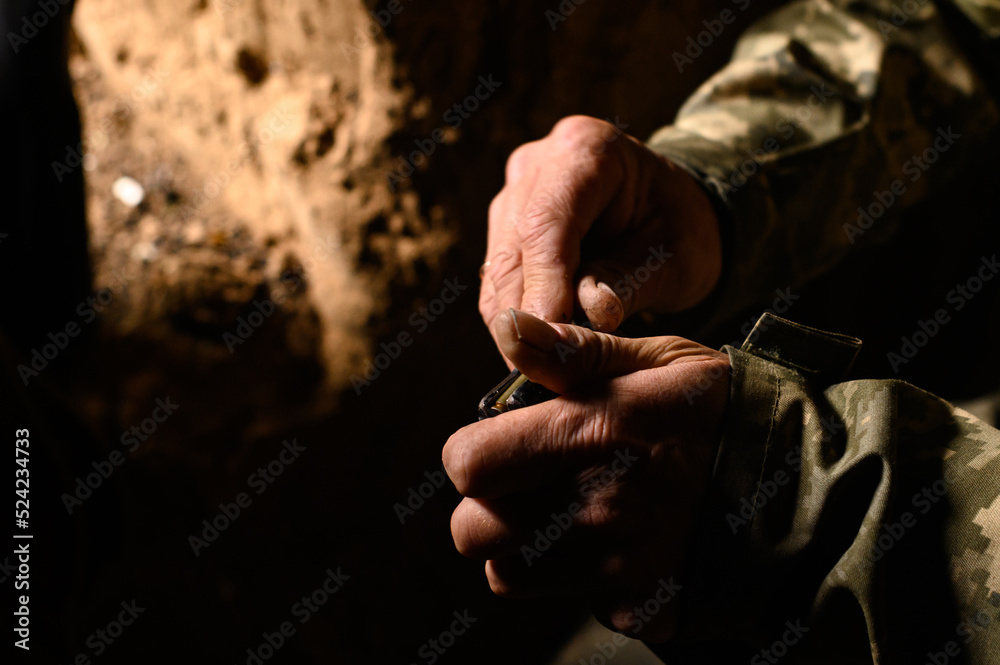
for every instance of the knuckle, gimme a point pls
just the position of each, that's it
(501, 583)
(460, 463)
(601, 515)
(463, 532)
(713, 369)
(503, 590)
(602, 352)
(577, 129)
(545, 261)
(519, 161)
(540, 223)
(616, 615)
(572, 353)
(563, 428)
(503, 263)
(537, 225)
(585, 136)
(571, 427)
(503, 271)
(474, 470)
(600, 426)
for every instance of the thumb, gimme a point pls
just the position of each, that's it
(565, 357)
(630, 279)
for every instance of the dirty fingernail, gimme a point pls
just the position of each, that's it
(602, 305)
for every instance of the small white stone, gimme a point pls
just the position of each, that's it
(128, 191)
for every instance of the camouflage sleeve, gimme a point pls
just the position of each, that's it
(853, 523)
(832, 118)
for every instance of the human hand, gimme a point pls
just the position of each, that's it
(591, 216)
(595, 492)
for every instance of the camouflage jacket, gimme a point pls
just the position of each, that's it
(824, 105)
(850, 522)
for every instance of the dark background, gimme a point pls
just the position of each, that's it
(333, 507)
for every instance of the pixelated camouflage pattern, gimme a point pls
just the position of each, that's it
(984, 13)
(884, 539)
(824, 102)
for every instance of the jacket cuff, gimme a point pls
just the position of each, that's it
(733, 563)
(695, 155)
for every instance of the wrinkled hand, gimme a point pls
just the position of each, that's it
(596, 492)
(645, 231)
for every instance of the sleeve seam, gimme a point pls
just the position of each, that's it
(767, 445)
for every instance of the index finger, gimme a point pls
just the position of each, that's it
(523, 449)
(578, 180)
